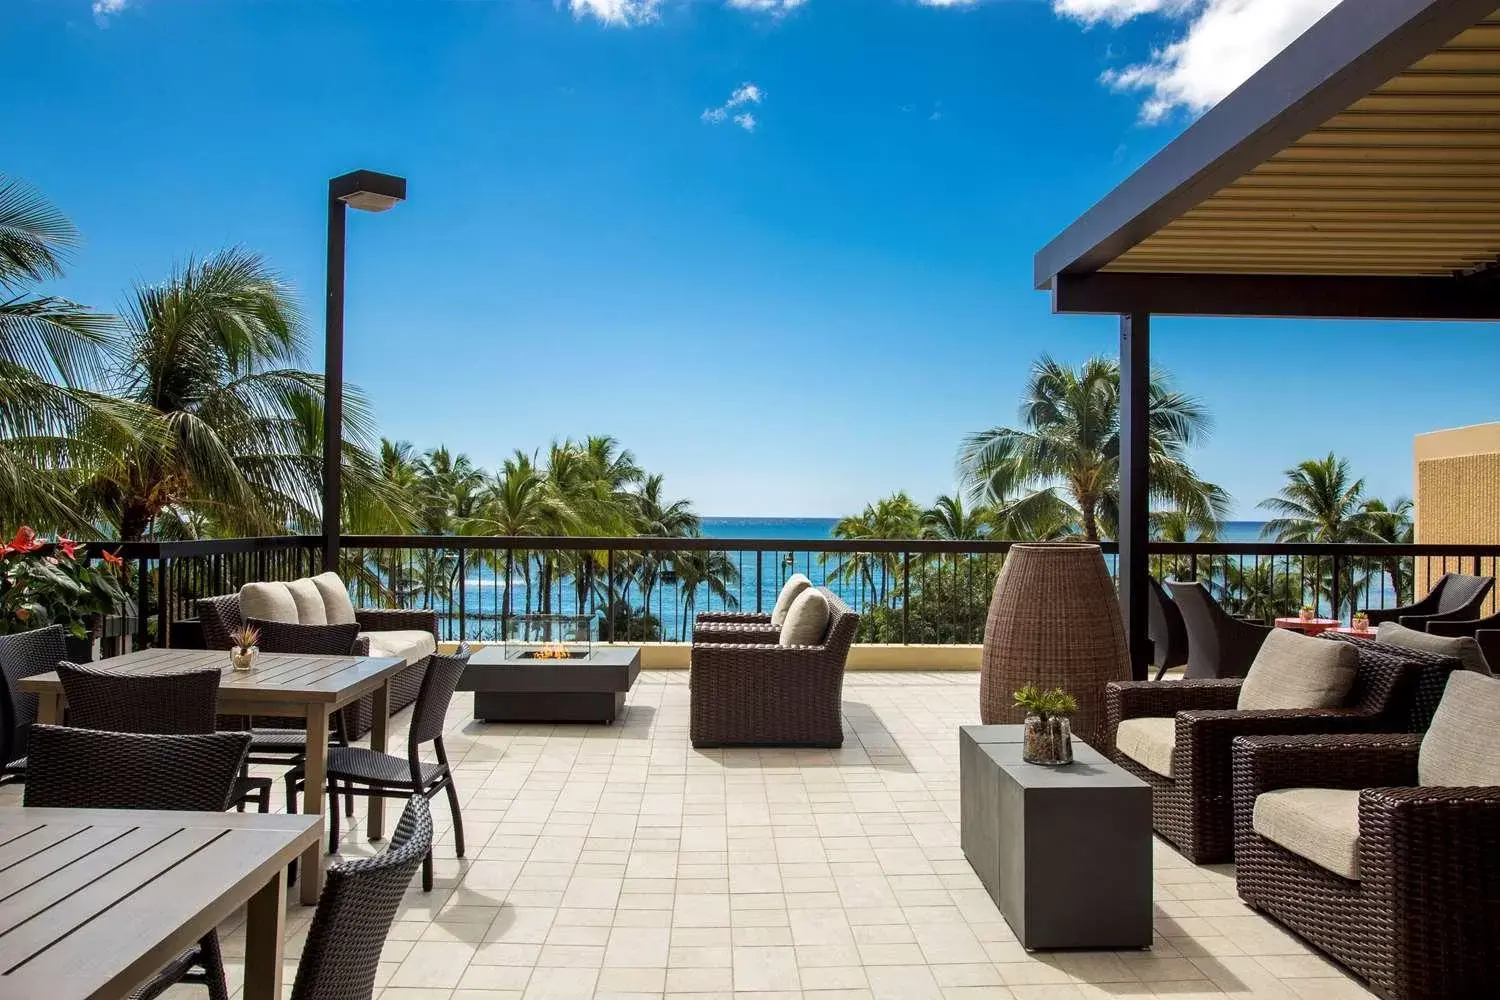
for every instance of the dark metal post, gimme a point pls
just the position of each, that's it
(1135, 384)
(1334, 589)
(759, 557)
(333, 386)
(905, 594)
(164, 614)
(463, 583)
(609, 595)
(142, 603)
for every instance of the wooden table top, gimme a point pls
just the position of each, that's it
(94, 901)
(277, 677)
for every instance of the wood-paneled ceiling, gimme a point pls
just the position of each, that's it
(1404, 182)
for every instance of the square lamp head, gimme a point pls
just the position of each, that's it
(368, 191)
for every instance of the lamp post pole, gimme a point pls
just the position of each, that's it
(370, 192)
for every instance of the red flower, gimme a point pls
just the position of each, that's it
(112, 559)
(25, 541)
(68, 546)
(24, 614)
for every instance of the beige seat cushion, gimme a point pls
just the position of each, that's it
(270, 602)
(806, 621)
(1319, 824)
(310, 609)
(337, 607)
(1296, 671)
(1149, 742)
(1462, 746)
(1462, 648)
(790, 591)
(410, 645)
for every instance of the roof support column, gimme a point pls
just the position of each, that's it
(1135, 386)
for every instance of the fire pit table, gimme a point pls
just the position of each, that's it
(548, 670)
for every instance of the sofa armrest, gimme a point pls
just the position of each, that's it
(733, 617)
(725, 664)
(735, 633)
(1350, 761)
(386, 620)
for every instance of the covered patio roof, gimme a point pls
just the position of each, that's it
(1357, 174)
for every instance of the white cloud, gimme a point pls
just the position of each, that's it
(619, 12)
(744, 94)
(1223, 44)
(104, 8)
(775, 7)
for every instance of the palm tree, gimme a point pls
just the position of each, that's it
(517, 502)
(1321, 502)
(233, 428)
(49, 349)
(1063, 463)
(948, 519)
(895, 517)
(655, 518)
(1391, 524)
(714, 572)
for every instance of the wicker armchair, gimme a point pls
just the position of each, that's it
(1193, 808)
(221, 616)
(355, 910)
(1219, 645)
(1168, 633)
(1422, 921)
(24, 654)
(86, 769)
(764, 694)
(1455, 597)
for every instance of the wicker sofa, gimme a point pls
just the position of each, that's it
(765, 694)
(1381, 851)
(1192, 805)
(388, 633)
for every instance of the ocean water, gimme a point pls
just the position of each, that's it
(811, 528)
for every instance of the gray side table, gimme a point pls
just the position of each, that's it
(1065, 852)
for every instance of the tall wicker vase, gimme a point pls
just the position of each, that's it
(1054, 621)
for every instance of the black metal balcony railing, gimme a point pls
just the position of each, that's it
(644, 589)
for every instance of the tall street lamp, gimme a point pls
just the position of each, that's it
(369, 192)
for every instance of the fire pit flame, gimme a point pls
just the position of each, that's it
(552, 651)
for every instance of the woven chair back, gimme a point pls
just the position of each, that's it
(1169, 641)
(220, 617)
(182, 702)
(1459, 590)
(842, 624)
(87, 769)
(436, 692)
(24, 654)
(355, 910)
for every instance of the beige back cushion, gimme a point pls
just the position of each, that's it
(270, 602)
(790, 591)
(806, 621)
(309, 602)
(337, 607)
(1462, 746)
(1462, 648)
(1296, 671)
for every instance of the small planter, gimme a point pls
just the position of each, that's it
(1362, 623)
(1048, 741)
(1307, 614)
(242, 658)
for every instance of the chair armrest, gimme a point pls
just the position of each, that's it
(1425, 606)
(1205, 739)
(1459, 628)
(386, 620)
(1349, 761)
(1432, 841)
(733, 617)
(735, 633)
(1137, 699)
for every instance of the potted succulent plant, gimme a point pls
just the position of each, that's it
(1308, 612)
(1048, 730)
(45, 584)
(1361, 621)
(244, 645)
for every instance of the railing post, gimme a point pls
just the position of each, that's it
(163, 609)
(505, 598)
(142, 601)
(609, 593)
(463, 584)
(1333, 588)
(905, 594)
(759, 558)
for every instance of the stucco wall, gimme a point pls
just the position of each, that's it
(1456, 478)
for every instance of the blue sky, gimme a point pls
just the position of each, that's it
(793, 318)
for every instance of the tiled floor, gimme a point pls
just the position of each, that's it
(616, 861)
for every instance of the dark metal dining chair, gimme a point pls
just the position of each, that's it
(1169, 640)
(179, 703)
(22, 655)
(73, 768)
(358, 903)
(1455, 597)
(1219, 645)
(371, 773)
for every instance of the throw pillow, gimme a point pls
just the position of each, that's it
(1296, 671)
(270, 602)
(309, 640)
(1462, 746)
(790, 591)
(337, 607)
(806, 621)
(309, 600)
(1462, 648)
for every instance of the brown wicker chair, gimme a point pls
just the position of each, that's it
(1423, 920)
(1168, 634)
(764, 694)
(1193, 809)
(221, 616)
(1219, 645)
(23, 655)
(1455, 597)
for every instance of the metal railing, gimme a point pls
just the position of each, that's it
(649, 589)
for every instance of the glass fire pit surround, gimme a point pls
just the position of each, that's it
(548, 637)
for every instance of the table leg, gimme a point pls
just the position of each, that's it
(265, 926)
(49, 709)
(310, 871)
(380, 719)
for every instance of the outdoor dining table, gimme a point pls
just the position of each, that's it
(1363, 633)
(96, 901)
(281, 685)
(1309, 626)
